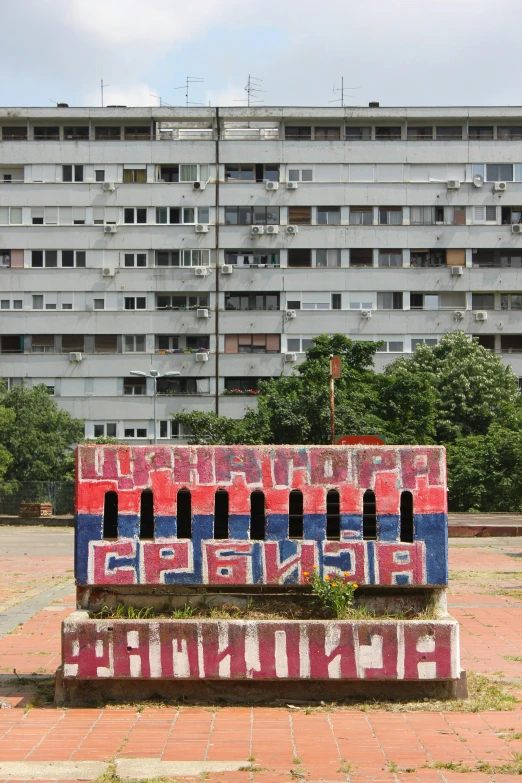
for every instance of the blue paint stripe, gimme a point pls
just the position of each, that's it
(370, 559)
(388, 527)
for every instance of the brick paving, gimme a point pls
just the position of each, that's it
(289, 744)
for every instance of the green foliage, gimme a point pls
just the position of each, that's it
(36, 437)
(334, 592)
(183, 613)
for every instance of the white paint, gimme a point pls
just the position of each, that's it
(224, 664)
(370, 655)
(455, 650)
(135, 665)
(70, 669)
(253, 664)
(99, 648)
(107, 671)
(332, 639)
(75, 648)
(154, 650)
(180, 658)
(201, 657)
(328, 467)
(426, 644)
(133, 639)
(427, 670)
(304, 652)
(281, 657)
(400, 651)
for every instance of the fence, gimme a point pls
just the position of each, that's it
(59, 493)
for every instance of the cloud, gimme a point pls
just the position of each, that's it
(232, 95)
(124, 95)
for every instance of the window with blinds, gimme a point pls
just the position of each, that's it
(252, 343)
(300, 216)
(105, 343)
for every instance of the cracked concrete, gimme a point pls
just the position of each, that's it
(141, 769)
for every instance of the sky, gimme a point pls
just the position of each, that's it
(398, 52)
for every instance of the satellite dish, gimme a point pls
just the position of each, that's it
(478, 180)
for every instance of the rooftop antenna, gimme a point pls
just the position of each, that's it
(161, 102)
(190, 80)
(253, 86)
(342, 89)
(103, 86)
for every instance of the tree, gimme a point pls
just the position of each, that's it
(37, 435)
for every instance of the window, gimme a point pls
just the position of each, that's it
(423, 216)
(326, 134)
(135, 259)
(420, 133)
(133, 432)
(12, 343)
(333, 515)
(184, 509)
(328, 216)
(489, 215)
(509, 132)
(483, 301)
(391, 346)
(243, 385)
(511, 343)
(37, 216)
(171, 386)
(252, 343)
(169, 174)
(257, 516)
(133, 343)
(98, 304)
(44, 133)
(252, 257)
(18, 133)
(428, 341)
(135, 175)
(72, 173)
(295, 514)
(480, 132)
(73, 258)
(485, 340)
(499, 172)
(42, 343)
(390, 258)
(188, 172)
(102, 430)
(110, 508)
(420, 301)
(328, 258)
(76, 133)
(300, 216)
(247, 216)
(134, 215)
(449, 132)
(427, 258)
(361, 216)
(38, 302)
(361, 258)
(99, 175)
(391, 133)
(389, 300)
(137, 133)
(251, 301)
(147, 514)
(358, 134)
(299, 257)
(300, 175)
(390, 216)
(105, 343)
(73, 342)
(406, 520)
(135, 302)
(180, 301)
(362, 300)
(177, 215)
(11, 216)
(511, 301)
(369, 516)
(252, 172)
(176, 430)
(221, 514)
(107, 133)
(298, 133)
(182, 257)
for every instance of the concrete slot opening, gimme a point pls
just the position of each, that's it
(406, 533)
(333, 515)
(110, 515)
(369, 516)
(147, 514)
(257, 516)
(184, 517)
(295, 514)
(221, 514)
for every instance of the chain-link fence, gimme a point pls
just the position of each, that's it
(59, 493)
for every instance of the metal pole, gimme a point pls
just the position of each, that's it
(155, 438)
(332, 410)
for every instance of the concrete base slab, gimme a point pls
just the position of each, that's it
(70, 691)
(131, 769)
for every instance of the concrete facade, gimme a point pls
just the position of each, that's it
(398, 238)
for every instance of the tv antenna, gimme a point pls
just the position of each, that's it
(190, 80)
(253, 86)
(103, 86)
(342, 89)
(161, 101)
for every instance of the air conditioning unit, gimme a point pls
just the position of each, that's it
(366, 313)
(108, 186)
(107, 271)
(290, 357)
(257, 230)
(272, 230)
(457, 271)
(226, 269)
(75, 356)
(202, 312)
(202, 357)
(292, 229)
(516, 228)
(458, 315)
(481, 315)
(499, 187)
(291, 314)
(199, 185)
(110, 229)
(202, 228)
(270, 185)
(453, 184)
(292, 185)
(201, 271)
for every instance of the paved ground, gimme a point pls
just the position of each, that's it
(288, 743)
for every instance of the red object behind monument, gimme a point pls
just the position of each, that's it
(360, 440)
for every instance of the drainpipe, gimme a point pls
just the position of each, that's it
(218, 133)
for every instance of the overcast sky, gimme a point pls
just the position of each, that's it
(398, 52)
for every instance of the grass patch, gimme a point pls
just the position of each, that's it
(489, 575)
(512, 657)
(345, 768)
(511, 593)
(110, 776)
(511, 767)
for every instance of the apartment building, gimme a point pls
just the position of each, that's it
(216, 243)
